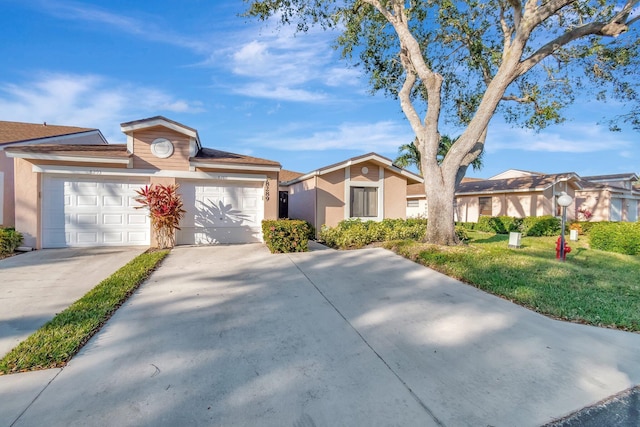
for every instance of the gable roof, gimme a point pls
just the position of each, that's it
(150, 122)
(109, 153)
(613, 177)
(514, 173)
(516, 185)
(374, 157)
(211, 158)
(287, 175)
(13, 132)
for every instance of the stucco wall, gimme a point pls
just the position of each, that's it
(356, 172)
(395, 195)
(597, 202)
(330, 198)
(27, 203)
(144, 158)
(7, 199)
(302, 201)
(518, 205)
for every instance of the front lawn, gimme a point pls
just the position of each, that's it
(593, 287)
(60, 339)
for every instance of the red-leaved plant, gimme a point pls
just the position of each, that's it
(165, 211)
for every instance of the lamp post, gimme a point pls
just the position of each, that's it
(564, 200)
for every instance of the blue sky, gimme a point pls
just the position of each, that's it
(244, 86)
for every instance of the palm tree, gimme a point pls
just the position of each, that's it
(408, 154)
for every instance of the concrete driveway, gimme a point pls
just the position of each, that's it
(35, 286)
(231, 335)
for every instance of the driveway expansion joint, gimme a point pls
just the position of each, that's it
(422, 404)
(35, 398)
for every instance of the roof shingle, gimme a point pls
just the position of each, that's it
(11, 132)
(219, 156)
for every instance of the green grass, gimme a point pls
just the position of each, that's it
(60, 339)
(592, 287)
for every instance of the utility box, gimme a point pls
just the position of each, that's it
(514, 239)
(573, 235)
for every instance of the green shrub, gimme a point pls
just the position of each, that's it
(10, 239)
(469, 226)
(287, 235)
(355, 233)
(540, 226)
(461, 233)
(498, 224)
(621, 237)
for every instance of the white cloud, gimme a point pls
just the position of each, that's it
(86, 101)
(280, 63)
(148, 29)
(384, 136)
(284, 65)
(565, 138)
(281, 92)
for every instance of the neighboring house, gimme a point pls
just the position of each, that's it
(417, 201)
(608, 198)
(521, 194)
(83, 195)
(520, 197)
(14, 134)
(369, 187)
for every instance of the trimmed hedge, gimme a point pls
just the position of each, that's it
(355, 233)
(541, 226)
(10, 239)
(287, 235)
(498, 224)
(620, 237)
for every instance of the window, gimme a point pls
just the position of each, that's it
(413, 203)
(364, 202)
(484, 205)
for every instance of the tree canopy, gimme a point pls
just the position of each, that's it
(461, 61)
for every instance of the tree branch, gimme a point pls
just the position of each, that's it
(507, 31)
(596, 28)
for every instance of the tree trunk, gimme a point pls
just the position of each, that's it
(440, 199)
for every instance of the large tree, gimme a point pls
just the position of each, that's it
(463, 60)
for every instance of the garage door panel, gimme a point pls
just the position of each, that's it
(92, 212)
(87, 219)
(113, 201)
(221, 212)
(113, 219)
(90, 201)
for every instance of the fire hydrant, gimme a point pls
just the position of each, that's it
(567, 248)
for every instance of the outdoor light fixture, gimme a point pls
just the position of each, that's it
(563, 200)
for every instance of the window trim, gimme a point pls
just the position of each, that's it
(348, 183)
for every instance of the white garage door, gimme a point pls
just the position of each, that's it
(616, 210)
(632, 214)
(92, 212)
(221, 212)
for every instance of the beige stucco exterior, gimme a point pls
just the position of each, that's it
(323, 197)
(7, 169)
(600, 203)
(515, 204)
(30, 172)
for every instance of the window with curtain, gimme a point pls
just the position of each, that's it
(364, 202)
(484, 204)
